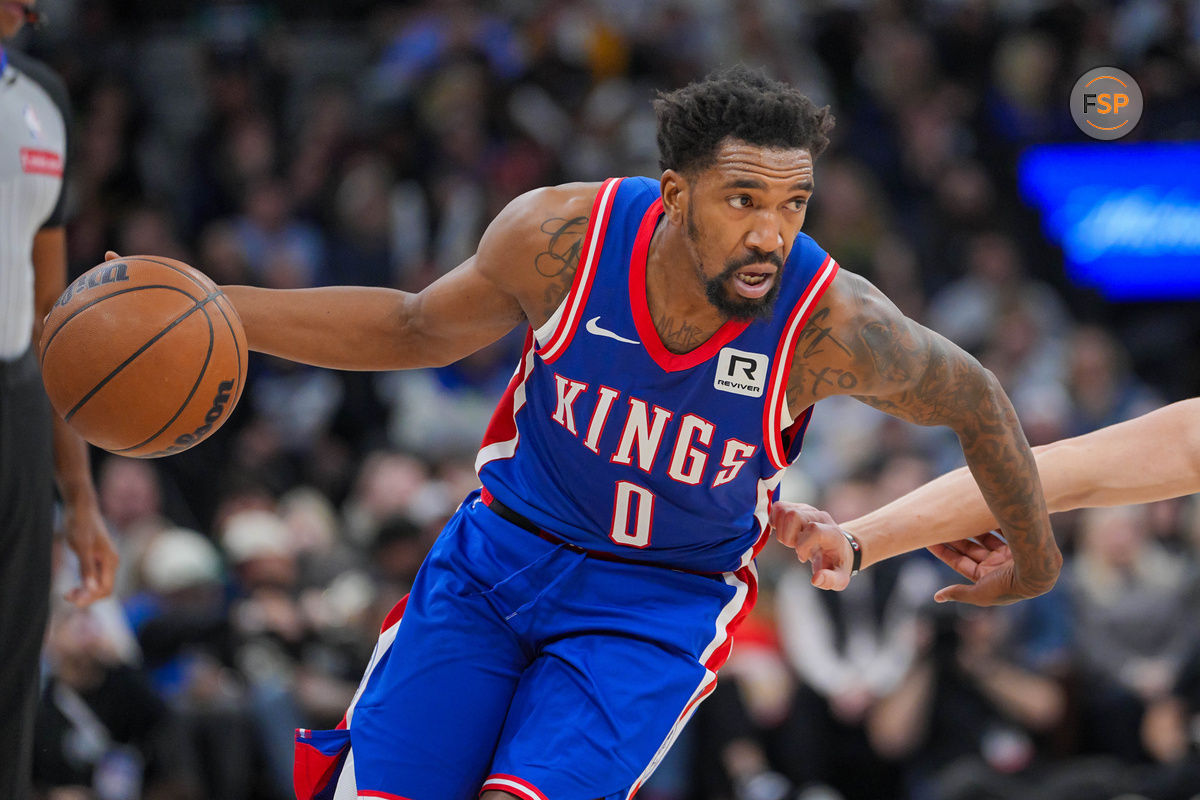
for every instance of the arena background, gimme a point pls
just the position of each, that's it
(299, 144)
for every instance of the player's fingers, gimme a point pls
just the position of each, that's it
(786, 533)
(971, 549)
(85, 551)
(106, 572)
(110, 255)
(816, 538)
(957, 592)
(790, 520)
(962, 564)
(992, 542)
(834, 580)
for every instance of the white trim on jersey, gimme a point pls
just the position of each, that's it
(508, 448)
(578, 293)
(382, 645)
(347, 785)
(546, 332)
(762, 513)
(777, 398)
(706, 686)
(512, 787)
(728, 614)
(785, 418)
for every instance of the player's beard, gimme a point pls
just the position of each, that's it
(717, 288)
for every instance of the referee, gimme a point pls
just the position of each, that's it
(34, 450)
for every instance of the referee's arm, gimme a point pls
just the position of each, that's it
(83, 525)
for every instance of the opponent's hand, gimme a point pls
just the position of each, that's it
(110, 255)
(87, 535)
(988, 562)
(817, 539)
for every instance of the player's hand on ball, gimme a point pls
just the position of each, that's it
(817, 540)
(988, 563)
(143, 356)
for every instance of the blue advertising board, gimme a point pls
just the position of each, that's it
(1126, 216)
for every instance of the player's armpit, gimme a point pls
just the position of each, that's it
(531, 249)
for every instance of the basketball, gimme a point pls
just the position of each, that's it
(144, 356)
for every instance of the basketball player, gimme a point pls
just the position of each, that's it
(1153, 457)
(33, 450)
(575, 610)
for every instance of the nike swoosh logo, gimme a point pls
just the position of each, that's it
(596, 330)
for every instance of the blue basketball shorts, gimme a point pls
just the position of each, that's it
(521, 665)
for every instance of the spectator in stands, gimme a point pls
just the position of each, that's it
(850, 650)
(101, 726)
(1134, 624)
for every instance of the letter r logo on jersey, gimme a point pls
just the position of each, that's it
(740, 372)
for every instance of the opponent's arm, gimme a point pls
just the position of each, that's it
(1153, 457)
(524, 265)
(873, 352)
(83, 525)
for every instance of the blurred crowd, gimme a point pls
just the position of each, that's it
(293, 144)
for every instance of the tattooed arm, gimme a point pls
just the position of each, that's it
(858, 343)
(523, 268)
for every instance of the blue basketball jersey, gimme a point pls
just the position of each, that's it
(613, 443)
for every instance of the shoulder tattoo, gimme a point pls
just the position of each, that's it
(559, 258)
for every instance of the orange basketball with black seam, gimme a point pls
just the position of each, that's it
(143, 356)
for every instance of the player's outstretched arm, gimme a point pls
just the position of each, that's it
(1153, 457)
(521, 271)
(374, 328)
(858, 343)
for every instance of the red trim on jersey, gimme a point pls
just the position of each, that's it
(670, 362)
(503, 425)
(394, 615)
(313, 770)
(747, 575)
(793, 436)
(708, 687)
(507, 783)
(705, 692)
(782, 365)
(581, 286)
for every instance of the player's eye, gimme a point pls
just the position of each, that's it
(797, 203)
(741, 201)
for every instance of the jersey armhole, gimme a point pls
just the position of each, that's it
(565, 319)
(776, 415)
(546, 332)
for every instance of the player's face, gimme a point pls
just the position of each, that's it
(12, 17)
(742, 215)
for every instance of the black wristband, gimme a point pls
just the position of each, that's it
(856, 548)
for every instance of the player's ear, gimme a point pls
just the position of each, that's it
(673, 186)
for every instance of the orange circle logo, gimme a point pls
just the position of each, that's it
(1106, 103)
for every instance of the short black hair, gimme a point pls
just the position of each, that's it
(740, 103)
